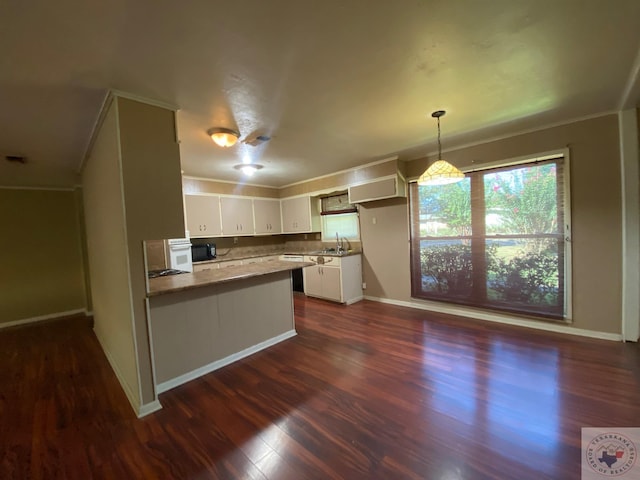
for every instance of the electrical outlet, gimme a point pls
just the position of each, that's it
(235, 240)
(374, 220)
(364, 285)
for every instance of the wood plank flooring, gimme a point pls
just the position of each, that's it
(368, 391)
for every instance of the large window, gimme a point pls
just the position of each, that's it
(497, 239)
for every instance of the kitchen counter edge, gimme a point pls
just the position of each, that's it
(187, 281)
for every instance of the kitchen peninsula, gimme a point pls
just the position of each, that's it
(202, 321)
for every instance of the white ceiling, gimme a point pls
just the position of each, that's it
(335, 83)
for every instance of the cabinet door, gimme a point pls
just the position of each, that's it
(237, 216)
(203, 215)
(288, 214)
(267, 216)
(296, 215)
(312, 281)
(331, 287)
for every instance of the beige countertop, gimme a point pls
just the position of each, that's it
(185, 281)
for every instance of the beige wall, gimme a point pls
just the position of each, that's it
(384, 229)
(40, 254)
(107, 252)
(197, 185)
(153, 205)
(337, 180)
(132, 192)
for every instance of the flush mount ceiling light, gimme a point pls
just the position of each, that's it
(440, 172)
(248, 168)
(224, 137)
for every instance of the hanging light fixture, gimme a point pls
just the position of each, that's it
(248, 168)
(224, 137)
(440, 172)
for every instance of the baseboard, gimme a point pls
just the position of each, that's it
(354, 300)
(490, 317)
(198, 372)
(41, 318)
(133, 400)
(149, 408)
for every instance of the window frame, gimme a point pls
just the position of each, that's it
(327, 237)
(565, 231)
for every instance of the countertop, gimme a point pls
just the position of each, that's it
(185, 281)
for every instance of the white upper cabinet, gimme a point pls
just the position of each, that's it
(203, 215)
(267, 218)
(300, 215)
(379, 189)
(237, 216)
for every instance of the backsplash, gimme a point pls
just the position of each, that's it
(228, 249)
(156, 256)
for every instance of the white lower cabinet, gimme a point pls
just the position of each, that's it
(334, 278)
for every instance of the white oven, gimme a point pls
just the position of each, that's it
(179, 254)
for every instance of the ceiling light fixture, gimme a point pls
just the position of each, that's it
(248, 168)
(440, 172)
(224, 137)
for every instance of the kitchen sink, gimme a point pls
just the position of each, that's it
(329, 251)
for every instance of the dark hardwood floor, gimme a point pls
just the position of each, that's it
(369, 391)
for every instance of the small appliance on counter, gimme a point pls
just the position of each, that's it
(178, 252)
(203, 252)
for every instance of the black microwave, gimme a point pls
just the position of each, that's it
(203, 252)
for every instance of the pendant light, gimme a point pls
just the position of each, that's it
(440, 172)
